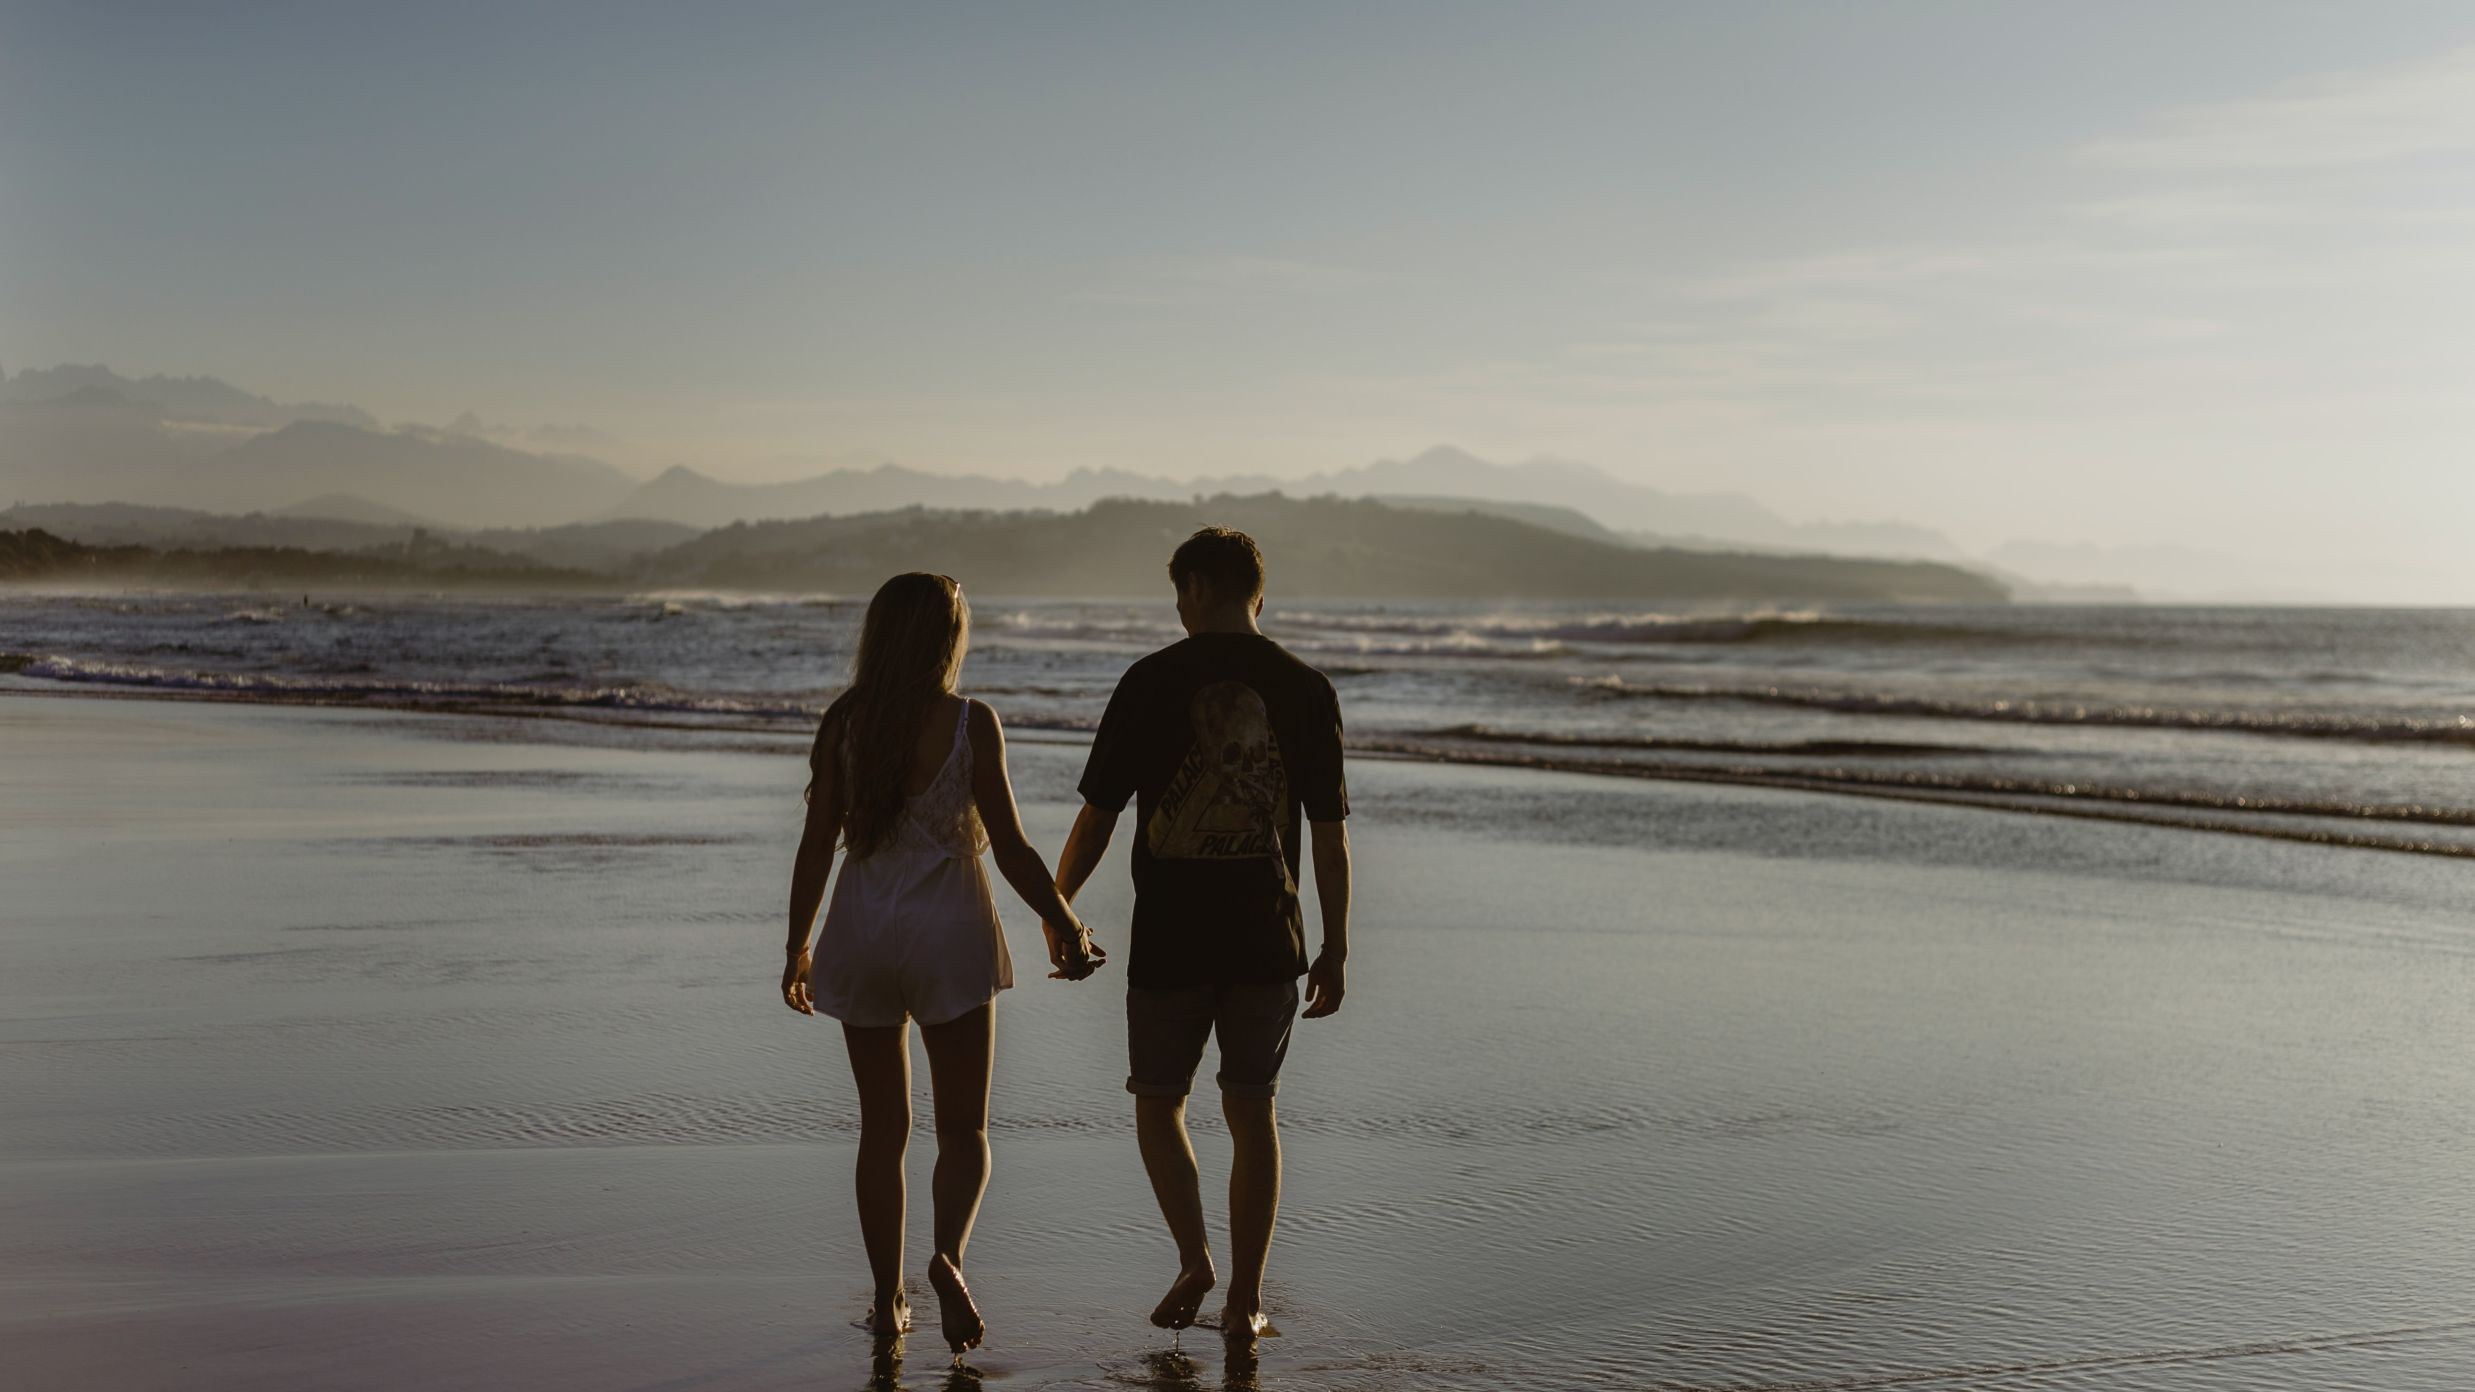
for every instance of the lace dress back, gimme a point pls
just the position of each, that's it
(911, 931)
(943, 818)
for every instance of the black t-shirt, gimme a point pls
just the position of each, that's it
(1221, 740)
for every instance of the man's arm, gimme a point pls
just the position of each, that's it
(1108, 781)
(1070, 947)
(1325, 980)
(1084, 846)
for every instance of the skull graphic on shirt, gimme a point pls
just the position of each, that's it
(1226, 800)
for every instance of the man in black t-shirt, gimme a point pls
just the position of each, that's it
(1222, 741)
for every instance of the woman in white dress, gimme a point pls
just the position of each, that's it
(911, 780)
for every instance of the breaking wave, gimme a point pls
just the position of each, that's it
(1760, 626)
(2301, 724)
(629, 696)
(1569, 754)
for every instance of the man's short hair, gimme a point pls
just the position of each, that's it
(1224, 559)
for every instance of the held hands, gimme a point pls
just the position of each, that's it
(795, 983)
(1324, 986)
(1072, 951)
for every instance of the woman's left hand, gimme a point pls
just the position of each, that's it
(1075, 955)
(795, 984)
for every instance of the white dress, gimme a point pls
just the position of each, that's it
(912, 930)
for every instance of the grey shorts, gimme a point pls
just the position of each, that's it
(1166, 1027)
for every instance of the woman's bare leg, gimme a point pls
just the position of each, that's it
(960, 1054)
(881, 1067)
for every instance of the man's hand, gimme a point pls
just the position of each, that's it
(1324, 986)
(795, 984)
(1073, 952)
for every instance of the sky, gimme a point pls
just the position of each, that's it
(2127, 274)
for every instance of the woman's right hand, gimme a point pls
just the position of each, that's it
(795, 968)
(1072, 951)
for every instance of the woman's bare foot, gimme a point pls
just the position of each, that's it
(888, 1318)
(961, 1318)
(1177, 1309)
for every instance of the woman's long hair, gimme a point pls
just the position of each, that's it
(910, 651)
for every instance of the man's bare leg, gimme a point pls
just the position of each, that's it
(1254, 1205)
(1169, 1158)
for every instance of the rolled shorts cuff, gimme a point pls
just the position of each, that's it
(1168, 1027)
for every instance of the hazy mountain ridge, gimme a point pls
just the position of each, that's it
(207, 400)
(1706, 520)
(170, 528)
(2186, 574)
(348, 507)
(608, 546)
(38, 557)
(1317, 546)
(457, 479)
(87, 434)
(1547, 515)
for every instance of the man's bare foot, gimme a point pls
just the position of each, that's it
(1176, 1310)
(888, 1318)
(1245, 1321)
(961, 1318)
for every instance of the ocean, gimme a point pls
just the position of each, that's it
(2347, 726)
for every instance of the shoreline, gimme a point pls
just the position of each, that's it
(2173, 812)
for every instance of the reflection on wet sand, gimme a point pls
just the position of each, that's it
(1239, 1373)
(1173, 1370)
(885, 1371)
(885, 1365)
(1170, 1370)
(1846, 1077)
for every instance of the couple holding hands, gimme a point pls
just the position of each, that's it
(1221, 740)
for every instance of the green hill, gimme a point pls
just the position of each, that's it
(37, 557)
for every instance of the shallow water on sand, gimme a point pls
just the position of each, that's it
(415, 1051)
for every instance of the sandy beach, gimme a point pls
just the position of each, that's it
(418, 1051)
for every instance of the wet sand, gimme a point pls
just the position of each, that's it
(419, 1051)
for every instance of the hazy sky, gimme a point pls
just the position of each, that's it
(2122, 273)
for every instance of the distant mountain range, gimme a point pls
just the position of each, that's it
(596, 546)
(86, 434)
(89, 435)
(201, 400)
(37, 557)
(1319, 546)
(1725, 520)
(1322, 546)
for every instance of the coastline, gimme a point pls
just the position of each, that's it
(2447, 832)
(338, 1030)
